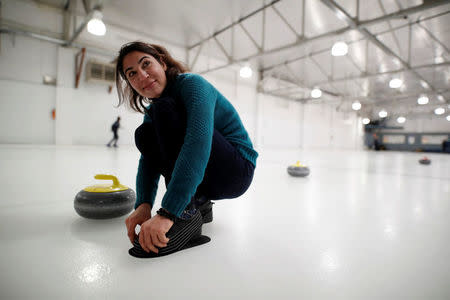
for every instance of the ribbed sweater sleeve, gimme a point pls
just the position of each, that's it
(199, 98)
(146, 183)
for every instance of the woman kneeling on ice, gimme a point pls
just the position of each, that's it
(191, 135)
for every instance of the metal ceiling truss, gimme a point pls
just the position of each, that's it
(342, 14)
(401, 106)
(353, 24)
(302, 39)
(400, 100)
(417, 22)
(363, 74)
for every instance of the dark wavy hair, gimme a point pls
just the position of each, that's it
(124, 89)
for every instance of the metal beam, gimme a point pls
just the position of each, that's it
(196, 57)
(286, 22)
(356, 41)
(426, 5)
(364, 76)
(412, 96)
(397, 43)
(325, 92)
(67, 17)
(80, 28)
(342, 14)
(32, 35)
(250, 37)
(385, 99)
(291, 72)
(100, 51)
(234, 23)
(222, 48)
(433, 37)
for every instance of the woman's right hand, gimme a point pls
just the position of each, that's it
(139, 216)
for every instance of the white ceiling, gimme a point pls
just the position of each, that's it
(306, 64)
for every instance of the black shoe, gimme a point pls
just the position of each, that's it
(206, 211)
(184, 234)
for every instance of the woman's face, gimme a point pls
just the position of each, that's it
(145, 74)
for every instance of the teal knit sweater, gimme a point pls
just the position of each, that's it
(206, 109)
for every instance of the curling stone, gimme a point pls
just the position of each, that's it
(425, 161)
(298, 170)
(104, 201)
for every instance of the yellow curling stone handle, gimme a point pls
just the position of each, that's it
(297, 164)
(106, 188)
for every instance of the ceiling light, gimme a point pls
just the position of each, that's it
(422, 100)
(316, 93)
(440, 98)
(439, 111)
(395, 83)
(339, 49)
(356, 105)
(382, 114)
(448, 118)
(96, 25)
(246, 72)
(438, 60)
(401, 120)
(366, 121)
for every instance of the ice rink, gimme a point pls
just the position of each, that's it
(363, 225)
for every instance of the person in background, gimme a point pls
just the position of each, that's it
(115, 127)
(376, 142)
(192, 135)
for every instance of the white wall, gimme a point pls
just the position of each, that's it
(83, 115)
(423, 124)
(25, 103)
(280, 123)
(288, 124)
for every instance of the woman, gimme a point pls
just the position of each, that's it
(191, 135)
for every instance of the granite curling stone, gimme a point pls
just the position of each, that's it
(425, 161)
(298, 170)
(105, 201)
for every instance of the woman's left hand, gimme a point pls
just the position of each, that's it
(153, 233)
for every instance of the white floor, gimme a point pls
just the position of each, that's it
(363, 225)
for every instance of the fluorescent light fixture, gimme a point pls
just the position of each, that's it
(401, 120)
(246, 72)
(96, 25)
(439, 111)
(438, 60)
(316, 93)
(356, 105)
(339, 49)
(382, 114)
(422, 100)
(395, 83)
(366, 121)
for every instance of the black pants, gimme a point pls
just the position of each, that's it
(115, 138)
(227, 174)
